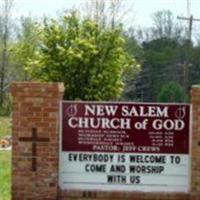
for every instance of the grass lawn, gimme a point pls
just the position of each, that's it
(5, 175)
(5, 126)
(5, 161)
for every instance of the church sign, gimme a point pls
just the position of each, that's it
(125, 147)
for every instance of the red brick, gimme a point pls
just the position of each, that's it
(38, 103)
(30, 103)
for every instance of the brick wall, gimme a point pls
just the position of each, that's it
(35, 105)
(72, 195)
(195, 148)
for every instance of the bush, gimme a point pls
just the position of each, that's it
(88, 59)
(172, 92)
(5, 109)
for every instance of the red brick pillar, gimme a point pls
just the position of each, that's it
(195, 159)
(35, 108)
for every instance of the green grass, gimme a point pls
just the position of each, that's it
(5, 161)
(5, 126)
(5, 175)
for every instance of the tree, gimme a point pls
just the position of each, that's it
(172, 92)
(112, 14)
(24, 49)
(133, 48)
(163, 54)
(158, 68)
(89, 60)
(129, 84)
(164, 26)
(5, 32)
(108, 14)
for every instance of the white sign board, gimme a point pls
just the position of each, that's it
(145, 158)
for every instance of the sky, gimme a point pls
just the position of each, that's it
(142, 10)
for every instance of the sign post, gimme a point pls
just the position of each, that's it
(125, 147)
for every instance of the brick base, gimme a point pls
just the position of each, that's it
(37, 104)
(71, 195)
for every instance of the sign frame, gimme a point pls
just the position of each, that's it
(135, 103)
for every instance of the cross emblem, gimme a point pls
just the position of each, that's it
(34, 139)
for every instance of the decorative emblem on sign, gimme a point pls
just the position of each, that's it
(71, 110)
(180, 113)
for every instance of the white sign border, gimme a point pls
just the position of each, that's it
(123, 102)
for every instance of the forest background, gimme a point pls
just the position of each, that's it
(98, 55)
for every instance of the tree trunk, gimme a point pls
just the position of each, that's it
(4, 64)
